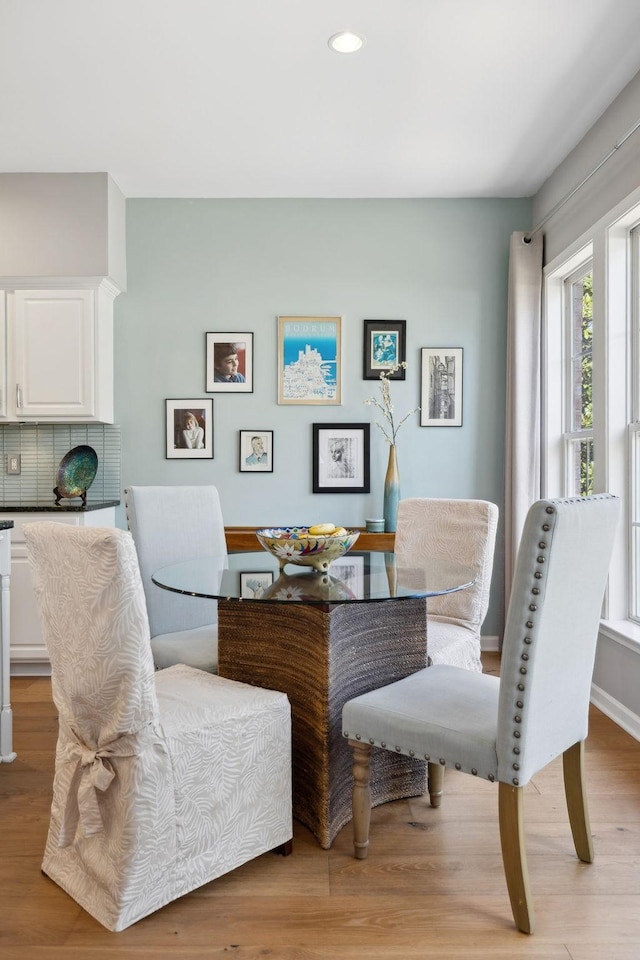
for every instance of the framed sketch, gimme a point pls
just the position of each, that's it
(229, 363)
(309, 360)
(256, 451)
(189, 425)
(253, 583)
(340, 457)
(384, 345)
(441, 387)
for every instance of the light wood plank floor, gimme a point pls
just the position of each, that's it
(432, 887)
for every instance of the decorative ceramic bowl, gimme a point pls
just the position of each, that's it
(296, 545)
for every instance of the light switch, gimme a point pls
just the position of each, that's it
(13, 463)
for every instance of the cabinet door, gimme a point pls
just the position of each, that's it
(54, 340)
(4, 374)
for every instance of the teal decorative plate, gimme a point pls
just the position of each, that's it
(76, 473)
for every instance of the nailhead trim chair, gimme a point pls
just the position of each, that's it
(164, 780)
(461, 530)
(170, 524)
(508, 729)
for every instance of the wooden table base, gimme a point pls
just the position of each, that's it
(321, 657)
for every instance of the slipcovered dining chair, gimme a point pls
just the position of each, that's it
(460, 530)
(170, 524)
(508, 729)
(164, 780)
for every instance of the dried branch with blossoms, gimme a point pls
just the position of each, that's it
(389, 427)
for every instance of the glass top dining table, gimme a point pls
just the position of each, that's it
(322, 638)
(357, 577)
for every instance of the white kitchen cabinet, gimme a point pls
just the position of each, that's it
(59, 356)
(28, 653)
(3, 357)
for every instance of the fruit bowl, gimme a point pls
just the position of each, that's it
(296, 545)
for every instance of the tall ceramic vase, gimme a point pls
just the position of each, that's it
(391, 492)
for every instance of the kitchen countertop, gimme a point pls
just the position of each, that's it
(48, 506)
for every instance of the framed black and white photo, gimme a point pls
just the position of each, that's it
(229, 366)
(441, 387)
(340, 457)
(253, 583)
(384, 346)
(256, 451)
(189, 426)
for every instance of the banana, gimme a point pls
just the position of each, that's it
(339, 532)
(322, 529)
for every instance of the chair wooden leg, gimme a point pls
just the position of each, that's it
(285, 849)
(361, 800)
(435, 782)
(514, 856)
(575, 792)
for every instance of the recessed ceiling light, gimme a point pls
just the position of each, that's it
(346, 42)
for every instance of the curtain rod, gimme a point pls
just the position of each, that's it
(565, 199)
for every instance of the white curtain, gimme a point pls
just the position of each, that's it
(522, 449)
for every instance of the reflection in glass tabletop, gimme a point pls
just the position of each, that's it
(356, 577)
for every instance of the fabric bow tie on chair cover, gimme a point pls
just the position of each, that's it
(164, 779)
(92, 773)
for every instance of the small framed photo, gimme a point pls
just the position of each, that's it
(229, 363)
(254, 583)
(340, 457)
(189, 429)
(441, 387)
(256, 451)
(309, 360)
(384, 347)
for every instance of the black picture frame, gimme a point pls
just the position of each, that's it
(384, 346)
(255, 451)
(189, 428)
(216, 344)
(441, 386)
(341, 457)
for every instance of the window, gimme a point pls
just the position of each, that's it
(634, 431)
(578, 321)
(591, 390)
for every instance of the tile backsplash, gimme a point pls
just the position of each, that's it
(42, 447)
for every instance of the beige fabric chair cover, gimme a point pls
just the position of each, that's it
(164, 780)
(458, 530)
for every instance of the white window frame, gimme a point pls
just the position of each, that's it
(616, 368)
(572, 436)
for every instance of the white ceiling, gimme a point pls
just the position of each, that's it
(243, 98)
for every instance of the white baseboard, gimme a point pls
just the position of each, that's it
(30, 668)
(490, 644)
(616, 711)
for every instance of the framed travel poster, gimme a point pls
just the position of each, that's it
(309, 360)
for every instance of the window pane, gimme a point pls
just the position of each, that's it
(581, 353)
(580, 467)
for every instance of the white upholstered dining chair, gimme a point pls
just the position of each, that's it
(170, 524)
(508, 729)
(459, 530)
(164, 780)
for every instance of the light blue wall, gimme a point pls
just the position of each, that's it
(235, 265)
